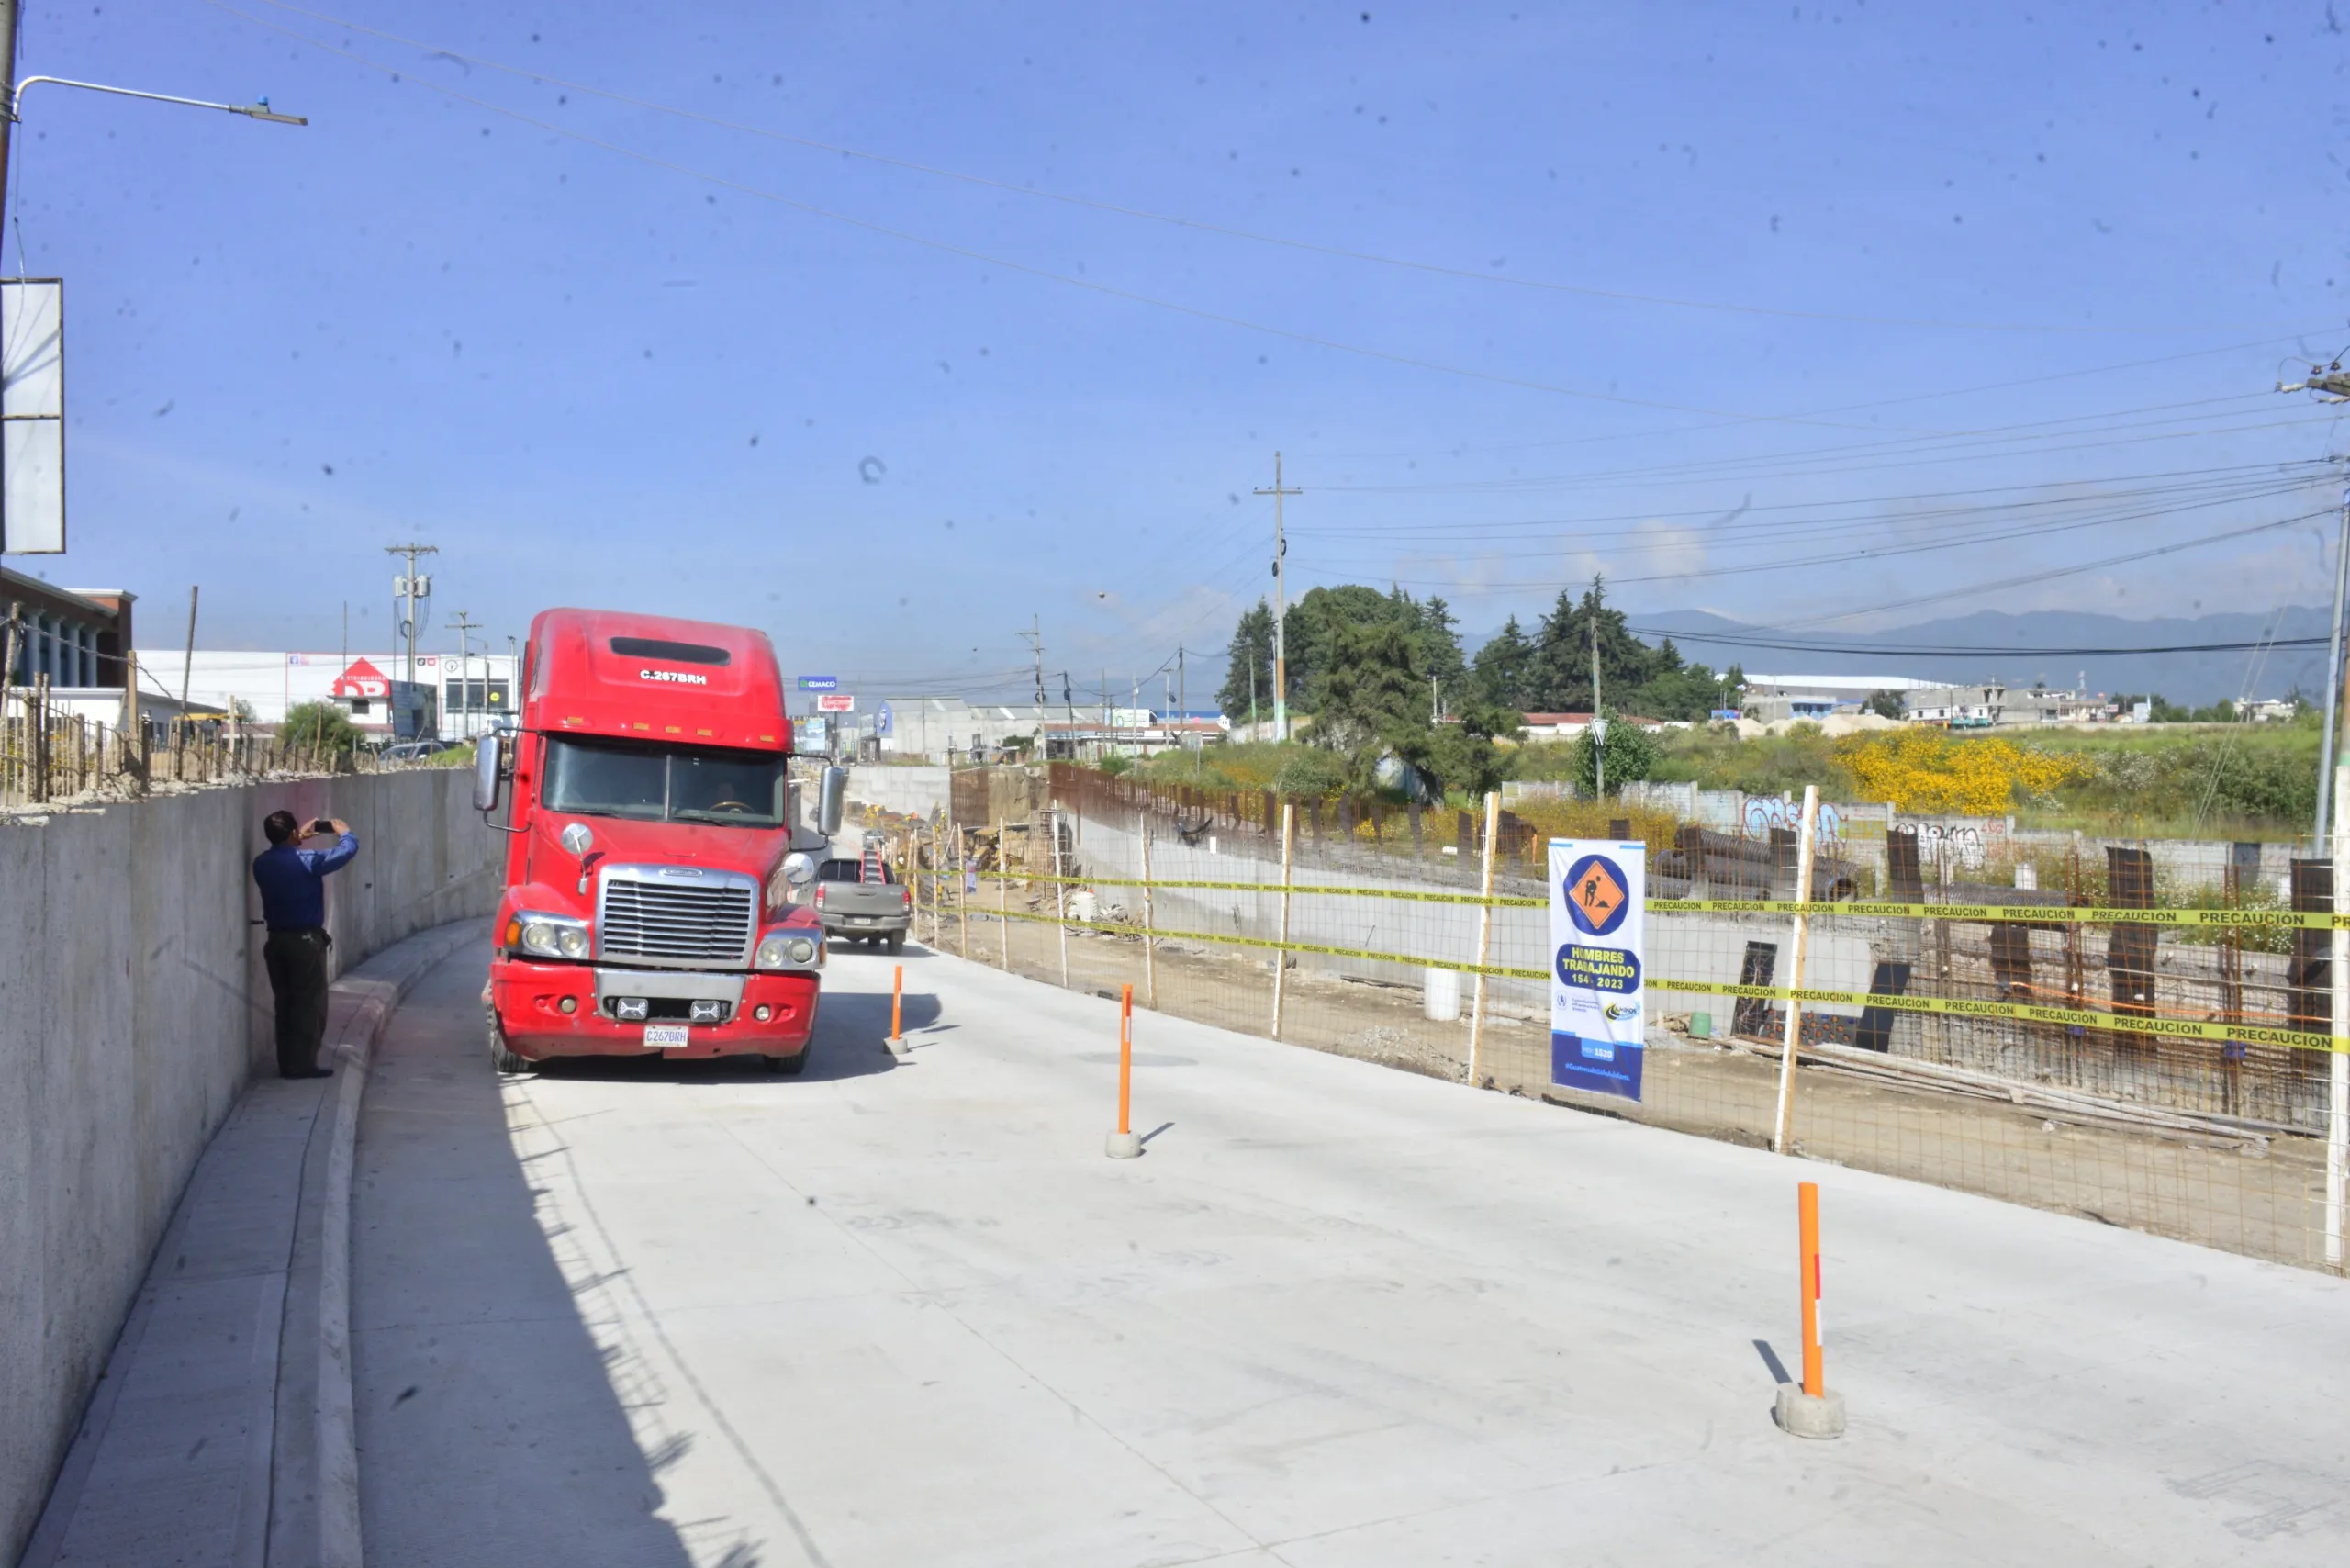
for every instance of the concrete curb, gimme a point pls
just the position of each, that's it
(335, 1450)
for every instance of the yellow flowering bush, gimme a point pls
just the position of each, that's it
(1932, 770)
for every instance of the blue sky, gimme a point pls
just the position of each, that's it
(1700, 288)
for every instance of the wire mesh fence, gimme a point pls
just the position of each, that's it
(2097, 1043)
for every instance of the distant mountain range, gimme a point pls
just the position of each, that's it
(1993, 646)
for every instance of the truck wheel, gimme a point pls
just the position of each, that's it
(788, 1066)
(896, 941)
(502, 1059)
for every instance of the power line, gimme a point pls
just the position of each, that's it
(1881, 553)
(2034, 577)
(1695, 635)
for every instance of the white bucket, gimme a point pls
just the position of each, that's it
(1084, 904)
(1441, 996)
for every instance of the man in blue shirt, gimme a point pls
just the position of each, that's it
(294, 905)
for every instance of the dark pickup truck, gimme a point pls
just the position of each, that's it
(860, 911)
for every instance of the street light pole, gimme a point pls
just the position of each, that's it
(260, 110)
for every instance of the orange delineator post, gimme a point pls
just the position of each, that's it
(897, 993)
(1815, 1381)
(1125, 1055)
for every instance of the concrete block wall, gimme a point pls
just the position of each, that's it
(133, 1008)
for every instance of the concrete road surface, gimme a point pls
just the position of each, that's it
(906, 1313)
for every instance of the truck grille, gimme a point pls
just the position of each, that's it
(678, 916)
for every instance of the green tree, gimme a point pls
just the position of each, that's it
(1313, 624)
(318, 726)
(1631, 753)
(1503, 667)
(1885, 704)
(1461, 754)
(1436, 653)
(1683, 692)
(1559, 680)
(1250, 656)
(1367, 703)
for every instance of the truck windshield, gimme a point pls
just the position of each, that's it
(649, 783)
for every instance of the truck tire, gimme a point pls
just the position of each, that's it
(502, 1059)
(788, 1066)
(896, 941)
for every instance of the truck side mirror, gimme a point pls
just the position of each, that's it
(831, 802)
(486, 770)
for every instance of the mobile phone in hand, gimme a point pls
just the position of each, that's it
(319, 826)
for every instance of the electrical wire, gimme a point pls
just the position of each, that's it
(1875, 553)
(2030, 578)
(1692, 634)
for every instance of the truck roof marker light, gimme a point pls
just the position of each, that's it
(575, 721)
(671, 729)
(762, 737)
(705, 731)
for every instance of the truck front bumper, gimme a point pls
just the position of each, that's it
(529, 998)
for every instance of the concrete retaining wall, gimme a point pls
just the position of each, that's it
(908, 791)
(133, 1008)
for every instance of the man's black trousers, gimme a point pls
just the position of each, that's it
(298, 979)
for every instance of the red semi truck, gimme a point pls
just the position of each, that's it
(650, 853)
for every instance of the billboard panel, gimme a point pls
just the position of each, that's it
(32, 417)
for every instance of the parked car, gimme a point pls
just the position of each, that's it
(415, 751)
(851, 907)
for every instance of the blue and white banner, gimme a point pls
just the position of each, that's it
(1598, 908)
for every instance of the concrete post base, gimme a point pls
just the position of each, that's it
(1799, 1414)
(1124, 1146)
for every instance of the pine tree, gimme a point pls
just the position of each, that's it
(1503, 666)
(1251, 650)
(1559, 680)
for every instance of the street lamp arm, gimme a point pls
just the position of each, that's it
(251, 111)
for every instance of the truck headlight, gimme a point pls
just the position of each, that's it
(547, 935)
(787, 950)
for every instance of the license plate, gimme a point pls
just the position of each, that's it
(860, 919)
(664, 1036)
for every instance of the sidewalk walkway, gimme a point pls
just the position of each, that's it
(197, 1446)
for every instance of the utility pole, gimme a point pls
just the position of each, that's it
(8, 81)
(1598, 724)
(2332, 680)
(2332, 385)
(187, 665)
(1281, 608)
(1034, 637)
(411, 591)
(464, 625)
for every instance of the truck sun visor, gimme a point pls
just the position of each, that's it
(674, 652)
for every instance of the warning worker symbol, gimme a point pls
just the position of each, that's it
(1596, 895)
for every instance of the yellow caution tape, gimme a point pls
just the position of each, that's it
(2075, 1017)
(1408, 894)
(2046, 914)
(1500, 971)
(2027, 1012)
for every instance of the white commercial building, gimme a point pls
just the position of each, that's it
(458, 696)
(1767, 699)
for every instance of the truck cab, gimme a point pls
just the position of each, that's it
(654, 848)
